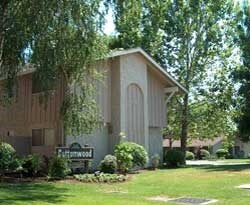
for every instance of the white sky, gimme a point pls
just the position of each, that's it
(109, 27)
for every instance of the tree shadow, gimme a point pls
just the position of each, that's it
(31, 193)
(232, 168)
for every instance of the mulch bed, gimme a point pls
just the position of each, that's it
(9, 179)
(69, 179)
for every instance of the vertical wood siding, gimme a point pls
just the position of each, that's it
(135, 114)
(103, 89)
(156, 101)
(28, 113)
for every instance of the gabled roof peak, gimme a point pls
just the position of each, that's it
(121, 52)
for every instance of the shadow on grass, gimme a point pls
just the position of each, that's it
(237, 167)
(30, 193)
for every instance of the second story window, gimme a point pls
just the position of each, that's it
(37, 86)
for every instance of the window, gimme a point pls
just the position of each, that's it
(5, 94)
(43, 137)
(37, 87)
(37, 137)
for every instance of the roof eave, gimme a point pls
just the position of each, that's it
(141, 51)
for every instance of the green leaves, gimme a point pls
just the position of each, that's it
(242, 74)
(63, 40)
(80, 112)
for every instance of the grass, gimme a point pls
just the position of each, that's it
(216, 182)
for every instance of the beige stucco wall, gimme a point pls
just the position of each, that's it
(155, 142)
(98, 140)
(115, 126)
(156, 99)
(103, 90)
(134, 71)
(135, 129)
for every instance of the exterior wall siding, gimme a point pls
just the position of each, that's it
(103, 89)
(134, 71)
(98, 139)
(135, 114)
(156, 101)
(115, 126)
(244, 146)
(215, 147)
(28, 112)
(131, 100)
(155, 142)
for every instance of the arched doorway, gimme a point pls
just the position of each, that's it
(135, 114)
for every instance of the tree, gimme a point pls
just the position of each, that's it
(242, 74)
(62, 40)
(140, 24)
(192, 40)
(195, 36)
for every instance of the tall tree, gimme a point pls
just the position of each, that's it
(191, 40)
(140, 24)
(242, 74)
(62, 40)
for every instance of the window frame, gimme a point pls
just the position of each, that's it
(43, 137)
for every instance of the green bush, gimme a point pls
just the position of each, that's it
(204, 154)
(58, 168)
(221, 153)
(129, 154)
(108, 164)
(174, 158)
(155, 161)
(32, 164)
(100, 178)
(189, 155)
(139, 154)
(8, 159)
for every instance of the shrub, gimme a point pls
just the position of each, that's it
(155, 161)
(174, 158)
(58, 168)
(124, 157)
(100, 178)
(108, 164)
(221, 153)
(8, 160)
(189, 155)
(204, 154)
(139, 154)
(130, 154)
(32, 164)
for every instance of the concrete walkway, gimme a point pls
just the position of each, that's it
(218, 162)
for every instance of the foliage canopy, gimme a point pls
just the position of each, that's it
(61, 40)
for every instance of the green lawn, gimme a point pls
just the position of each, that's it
(213, 182)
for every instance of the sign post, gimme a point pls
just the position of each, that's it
(76, 153)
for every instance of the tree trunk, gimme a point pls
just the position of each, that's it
(3, 8)
(184, 130)
(170, 143)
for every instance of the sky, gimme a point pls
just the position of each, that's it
(109, 27)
